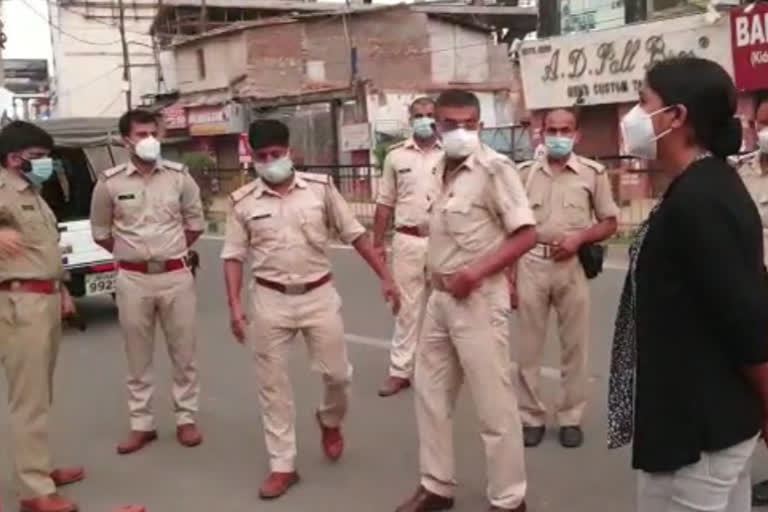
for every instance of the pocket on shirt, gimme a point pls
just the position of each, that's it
(129, 205)
(313, 225)
(462, 221)
(577, 208)
(263, 226)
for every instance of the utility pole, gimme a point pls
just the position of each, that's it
(126, 57)
(203, 16)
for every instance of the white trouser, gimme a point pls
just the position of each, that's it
(718, 482)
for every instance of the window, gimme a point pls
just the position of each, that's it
(200, 63)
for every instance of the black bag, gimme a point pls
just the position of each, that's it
(591, 257)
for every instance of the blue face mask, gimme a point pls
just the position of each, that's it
(38, 170)
(423, 127)
(558, 147)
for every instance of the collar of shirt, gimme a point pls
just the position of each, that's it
(13, 179)
(572, 165)
(132, 167)
(263, 188)
(477, 159)
(410, 143)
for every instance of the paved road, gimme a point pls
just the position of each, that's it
(380, 465)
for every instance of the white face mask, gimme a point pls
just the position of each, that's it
(762, 141)
(460, 143)
(275, 172)
(148, 149)
(640, 140)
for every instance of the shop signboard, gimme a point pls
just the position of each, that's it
(749, 45)
(608, 66)
(175, 117)
(216, 119)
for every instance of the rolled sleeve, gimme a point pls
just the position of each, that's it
(341, 216)
(101, 212)
(235, 237)
(508, 198)
(603, 202)
(192, 205)
(388, 184)
(734, 294)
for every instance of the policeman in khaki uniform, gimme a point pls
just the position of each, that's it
(566, 192)
(32, 303)
(284, 220)
(408, 186)
(148, 213)
(480, 224)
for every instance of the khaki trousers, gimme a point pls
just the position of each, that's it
(409, 259)
(541, 284)
(170, 298)
(275, 320)
(30, 331)
(468, 340)
(718, 482)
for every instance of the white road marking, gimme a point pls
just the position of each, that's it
(380, 343)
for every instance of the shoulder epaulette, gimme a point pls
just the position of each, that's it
(241, 193)
(114, 171)
(396, 145)
(592, 164)
(174, 166)
(314, 177)
(524, 166)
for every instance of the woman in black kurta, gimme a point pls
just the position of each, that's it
(689, 380)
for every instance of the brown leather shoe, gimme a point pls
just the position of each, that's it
(189, 435)
(333, 441)
(51, 503)
(520, 508)
(394, 385)
(66, 476)
(277, 484)
(425, 501)
(137, 440)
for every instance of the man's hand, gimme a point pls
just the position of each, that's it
(10, 243)
(391, 294)
(68, 308)
(461, 284)
(567, 248)
(239, 324)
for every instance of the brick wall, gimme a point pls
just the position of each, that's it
(274, 57)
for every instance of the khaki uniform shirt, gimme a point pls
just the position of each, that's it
(479, 205)
(756, 180)
(287, 236)
(146, 215)
(408, 182)
(24, 210)
(567, 201)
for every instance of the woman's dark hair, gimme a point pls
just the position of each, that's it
(708, 94)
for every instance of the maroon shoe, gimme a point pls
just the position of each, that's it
(137, 440)
(425, 501)
(333, 441)
(66, 476)
(277, 484)
(393, 385)
(51, 503)
(189, 435)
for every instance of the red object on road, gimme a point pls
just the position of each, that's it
(131, 508)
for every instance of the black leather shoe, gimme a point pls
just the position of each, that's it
(425, 501)
(760, 494)
(533, 436)
(520, 508)
(571, 437)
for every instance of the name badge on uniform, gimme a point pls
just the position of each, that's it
(125, 197)
(28, 207)
(261, 216)
(404, 171)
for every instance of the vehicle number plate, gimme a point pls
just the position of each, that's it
(101, 283)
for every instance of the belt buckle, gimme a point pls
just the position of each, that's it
(155, 267)
(15, 286)
(295, 289)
